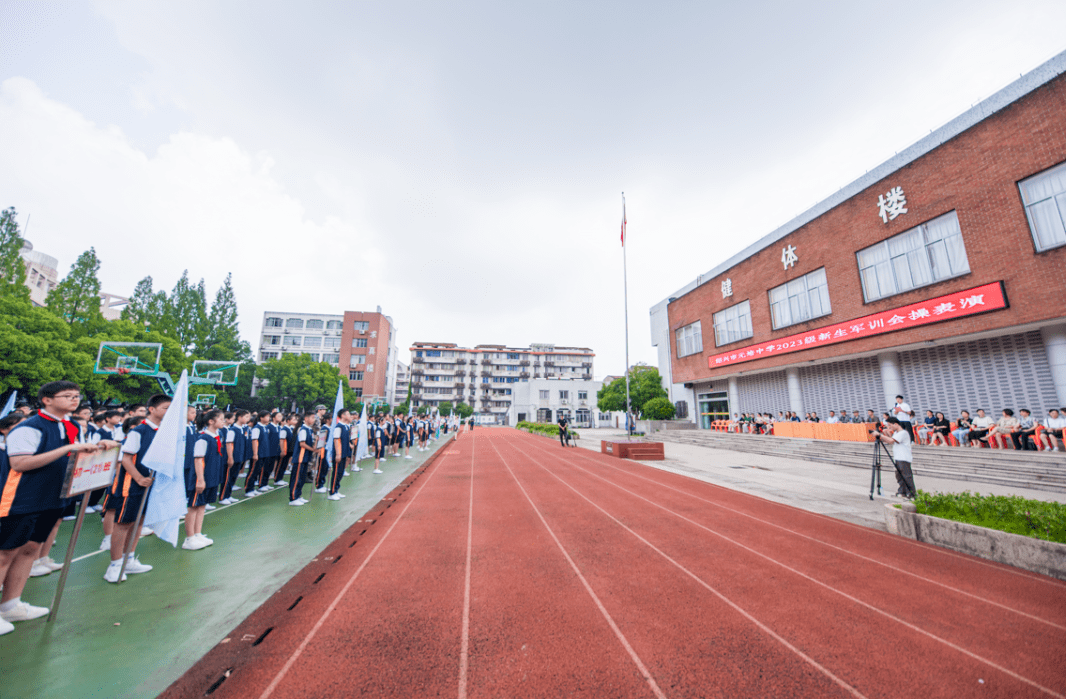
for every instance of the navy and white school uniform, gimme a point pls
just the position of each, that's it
(302, 460)
(125, 495)
(190, 461)
(286, 446)
(344, 434)
(209, 447)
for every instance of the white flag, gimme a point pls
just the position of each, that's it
(166, 457)
(361, 451)
(338, 405)
(10, 404)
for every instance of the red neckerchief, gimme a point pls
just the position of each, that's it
(71, 429)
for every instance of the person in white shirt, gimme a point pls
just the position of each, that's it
(832, 419)
(1054, 424)
(979, 428)
(902, 412)
(901, 454)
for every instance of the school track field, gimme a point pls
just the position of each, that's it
(510, 567)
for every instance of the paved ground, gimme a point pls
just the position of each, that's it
(830, 489)
(134, 639)
(510, 567)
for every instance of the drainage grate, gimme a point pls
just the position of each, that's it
(298, 600)
(318, 579)
(263, 636)
(218, 682)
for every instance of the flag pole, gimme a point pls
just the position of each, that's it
(625, 296)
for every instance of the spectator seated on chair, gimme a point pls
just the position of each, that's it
(926, 427)
(940, 431)
(1054, 424)
(832, 419)
(961, 433)
(980, 427)
(1026, 429)
(1003, 429)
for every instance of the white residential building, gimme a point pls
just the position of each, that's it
(546, 400)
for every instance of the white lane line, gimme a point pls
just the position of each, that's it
(818, 541)
(843, 594)
(336, 600)
(464, 650)
(588, 588)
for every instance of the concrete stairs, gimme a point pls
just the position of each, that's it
(1027, 469)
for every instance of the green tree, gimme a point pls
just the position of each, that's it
(187, 314)
(35, 347)
(12, 268)
(644, 385)
(463, 410)
(223, 340)
(445, 408)
(298, 378)
(131, 388)
(659, 409)
(149, 308)
(76, 299)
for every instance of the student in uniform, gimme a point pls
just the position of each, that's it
(32, 471)
(107, 518)
(133, 483)
(378, 444)
(342, 451)
(401, 432)
(235, 450)
(260, 454)
(302, 459)
(201, 485)
(282, 440)
(272, 443)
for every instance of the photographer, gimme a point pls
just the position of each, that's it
(900, 439)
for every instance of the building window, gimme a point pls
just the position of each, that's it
(355, 376)
(292, 340)
(800, 300)
(564, 395)
(297, 323)
(360, 342)
(1044, 196)
(334, 325)
(271, 339)
(513, 355)
(358, 359)
(361, 326)
(689, 339)
(545, 395)
(923, 255)
(314, 324)
(313, 355)
(732, 324)
(582, 395)
(432, 353)
(358, 392)
(312, 341)
(269, 355)
(272, 323)
(331, 342)
(332, 358)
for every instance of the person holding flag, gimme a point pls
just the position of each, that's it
(361, 450)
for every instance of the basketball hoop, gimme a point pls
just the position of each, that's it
(122, 371)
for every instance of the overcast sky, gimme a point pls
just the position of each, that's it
(461, 164)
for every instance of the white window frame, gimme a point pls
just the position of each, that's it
(689, 339)
(733, 324)
(292, 341)
(795, 298)
(1044, 198)
(273, 323)
(314, 324)
(313, 341)
(929, 253)
(295, 323)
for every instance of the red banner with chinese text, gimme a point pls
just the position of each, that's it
(981, 299)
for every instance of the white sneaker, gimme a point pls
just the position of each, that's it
(281, 484)
(378, 470)
(321, 490)
(297, 503)
(238, 487)
(251, 493)
(146, 531)
(70, 518)
(347, 474)
(265, 489)
(303, 500)
(335, 496)
(39, 569)
(134, 566)
(342, 495)
(47, 560)
(408, 457)
(23, 612)
(6, 627)
(111, 574)
(356, 469)
(191, 543)
(208, 507)
(106, 543)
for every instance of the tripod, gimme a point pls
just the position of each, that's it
(875, 471)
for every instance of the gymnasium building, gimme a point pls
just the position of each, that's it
(940, 275)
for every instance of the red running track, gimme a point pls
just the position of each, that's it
(509, 567)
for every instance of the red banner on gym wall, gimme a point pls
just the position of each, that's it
(981, 299)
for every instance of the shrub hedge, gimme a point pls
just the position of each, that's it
(546, 429)
(1007, 513)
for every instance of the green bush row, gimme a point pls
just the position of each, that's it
(1008, 513)
(542, 428)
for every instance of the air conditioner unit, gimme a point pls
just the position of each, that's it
(564, 401)
(287, 331)
(362, 332)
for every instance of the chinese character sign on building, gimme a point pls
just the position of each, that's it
(727, 288)
(891, 204)
(989, 297)
(788, 256)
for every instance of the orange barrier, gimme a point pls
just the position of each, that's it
(850, 432)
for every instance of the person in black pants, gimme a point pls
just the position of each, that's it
(562, 430)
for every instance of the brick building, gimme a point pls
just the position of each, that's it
(940, 275)
(362, 345)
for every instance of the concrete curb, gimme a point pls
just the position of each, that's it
(1037, 555)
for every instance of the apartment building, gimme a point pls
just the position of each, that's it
(361, 345)
(483, 377)
(403, 382)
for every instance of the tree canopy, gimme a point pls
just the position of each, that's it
(12, 268)
(296, 378)
(645, 384)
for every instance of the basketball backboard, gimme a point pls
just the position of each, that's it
(217, 373)
(128, 358)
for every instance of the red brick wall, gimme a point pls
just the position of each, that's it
(377, 336)
(975, 174)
